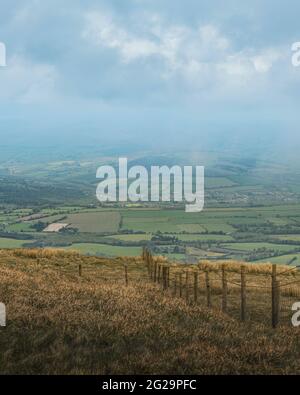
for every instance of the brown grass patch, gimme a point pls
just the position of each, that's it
(60, 323)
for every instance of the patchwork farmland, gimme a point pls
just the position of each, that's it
(253, 234)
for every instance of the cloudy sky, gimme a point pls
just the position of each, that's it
(149, 70)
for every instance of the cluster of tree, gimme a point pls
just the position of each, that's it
(263, 253)
(131, 232)
(287, 242)
(161, 238)
(249, 237)
(267, 229)
(69, 231)
(39, 226)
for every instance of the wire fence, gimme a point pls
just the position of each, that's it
(105, 270)
(247, 292)
(241, 290)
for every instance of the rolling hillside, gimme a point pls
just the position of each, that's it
(61, 323)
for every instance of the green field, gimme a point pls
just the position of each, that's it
(256, 246)
(173, 222)
(192, 228)
(95, 222)
(11, 243)
(226, 220)
(61, 210)
(20, 227)
(287, 237)
(218, 182)
(51, 219)
(285, 259)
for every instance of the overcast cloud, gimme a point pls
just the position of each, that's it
(127, 69)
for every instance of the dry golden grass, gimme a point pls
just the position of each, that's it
(235, 266)
(36, 253)
(60, 323)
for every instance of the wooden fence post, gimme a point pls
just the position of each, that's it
(208, 295)
(80, 270)
(180, 285)
(148, 262)
(175, 284)
(278, 300)
(126, 275)
(187, 286)
(196, 287)
(275, 297)
(168, 277)
(150, 267)
(155, 271)
(224, 289)
(159, 273)
(165, 278)
(243, 294)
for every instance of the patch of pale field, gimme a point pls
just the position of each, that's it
(55, 228)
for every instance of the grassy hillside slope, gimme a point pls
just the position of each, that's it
(60, 323)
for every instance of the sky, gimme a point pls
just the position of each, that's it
(157, 73)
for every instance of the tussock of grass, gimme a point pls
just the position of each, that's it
(60, 323)
(235, 266)
(35, 253)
